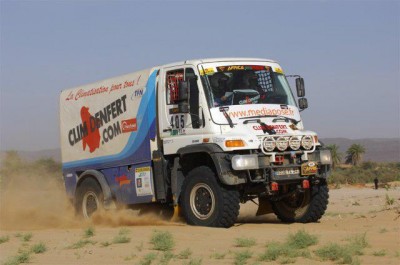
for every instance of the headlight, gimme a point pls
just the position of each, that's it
(307, 142)
(282, 143)
(269, 143)
(325, 157)
(242, 162)
(294, 142)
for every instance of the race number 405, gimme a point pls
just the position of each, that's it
(177, 121)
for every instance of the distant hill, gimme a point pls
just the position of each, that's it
(379, 150)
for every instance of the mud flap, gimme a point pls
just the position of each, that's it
(177, 214)
(264, 206)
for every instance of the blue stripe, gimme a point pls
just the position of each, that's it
(145, 119)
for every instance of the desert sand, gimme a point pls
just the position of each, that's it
(351, 211)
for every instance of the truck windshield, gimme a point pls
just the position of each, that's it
(246, 84)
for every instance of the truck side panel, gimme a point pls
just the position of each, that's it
(111, 132)
(131, 184)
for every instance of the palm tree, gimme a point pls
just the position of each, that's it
(336, 155)
(354, 154)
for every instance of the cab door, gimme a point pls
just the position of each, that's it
(178, 129)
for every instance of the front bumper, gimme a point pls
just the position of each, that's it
(292, 166)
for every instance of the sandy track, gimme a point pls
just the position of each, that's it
(351, 211)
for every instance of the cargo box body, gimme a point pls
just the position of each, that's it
(108, 126)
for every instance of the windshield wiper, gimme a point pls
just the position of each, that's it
(278, 117)
(226, 115)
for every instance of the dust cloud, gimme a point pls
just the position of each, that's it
(30, 200)
(36, 199)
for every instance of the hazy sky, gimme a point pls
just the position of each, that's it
(348, 53)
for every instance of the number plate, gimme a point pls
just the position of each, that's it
(309, 168)
(287, 171)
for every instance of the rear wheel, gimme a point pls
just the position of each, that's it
(89, 198)
(304, 207)
(205, 202)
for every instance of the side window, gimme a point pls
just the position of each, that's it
(173, 78)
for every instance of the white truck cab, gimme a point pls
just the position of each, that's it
(203, 135)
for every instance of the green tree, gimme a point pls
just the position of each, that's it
(354, 154)
(336, 155)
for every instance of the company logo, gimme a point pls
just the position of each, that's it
(123, 180)
(129, 125)
(138, 92)
(279, 129)
(235, 67)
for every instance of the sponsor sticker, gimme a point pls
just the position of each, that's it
(129, 125)
(309, 168)
(123, 180)
(242, 67)
(207, 71)
(143, 181)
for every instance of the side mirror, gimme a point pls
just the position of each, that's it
(301, 92)
(183, 90)
(303, 104)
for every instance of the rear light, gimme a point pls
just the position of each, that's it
(316, 139)
(279, 159)
(274, 186)
(306, 184)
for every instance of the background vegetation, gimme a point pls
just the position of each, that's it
(365, 173)
(349, 173)
(12, 166)
(355, 171)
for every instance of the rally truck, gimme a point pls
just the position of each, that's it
(199, 136)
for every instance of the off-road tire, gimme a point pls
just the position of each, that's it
(201, 191)
(89, 198)
(311, 209)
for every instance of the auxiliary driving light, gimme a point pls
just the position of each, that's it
(282, 143)
(269, 143)
(307, 142)
(294, 142)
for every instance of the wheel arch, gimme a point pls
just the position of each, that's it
(193, 156)
(101, 180)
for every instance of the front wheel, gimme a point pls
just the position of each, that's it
(89, 198)
(205, 202)
(305, 207)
